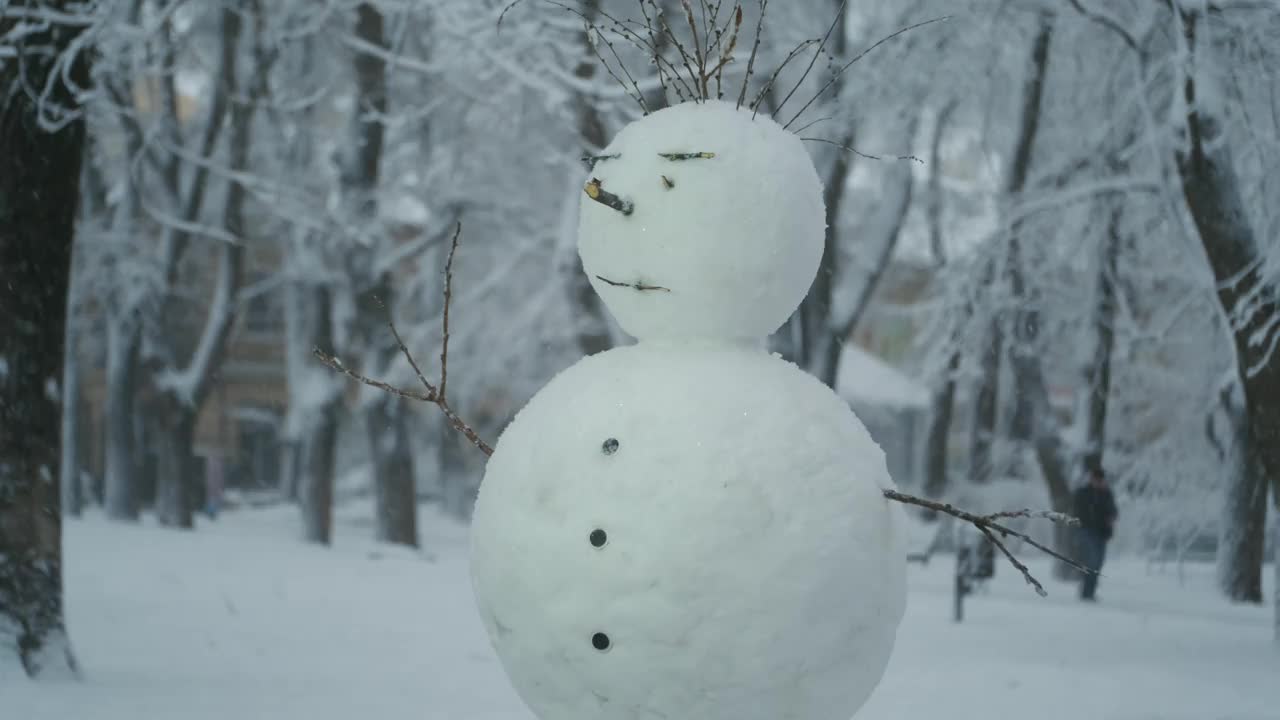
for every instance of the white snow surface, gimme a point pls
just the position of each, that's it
(735, 241)
(240, 619)
(750, 568)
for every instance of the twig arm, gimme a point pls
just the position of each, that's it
(988, 526)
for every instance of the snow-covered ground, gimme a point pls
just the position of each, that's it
(240, 621)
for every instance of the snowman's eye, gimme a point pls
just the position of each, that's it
(600, 641)
(610, 446)
(598, 538)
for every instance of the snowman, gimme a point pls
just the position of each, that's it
(691, 528)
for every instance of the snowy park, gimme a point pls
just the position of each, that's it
(242, 621)
(652, 360)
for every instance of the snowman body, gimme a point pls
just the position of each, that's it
(690, 528)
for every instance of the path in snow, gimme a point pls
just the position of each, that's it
(241, 621)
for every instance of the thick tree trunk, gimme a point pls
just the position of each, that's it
(175, 439)
(69, 463)
(318, 430)
(179, 403)
(1242, 539)
(120, 487)
(395, 490)
(1275, 563)
(1249, 299)
(38, 195)
(317, 481)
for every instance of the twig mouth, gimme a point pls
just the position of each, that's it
(638, 286)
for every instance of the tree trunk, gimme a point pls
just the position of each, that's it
(291, 468)
(1054, 464)
(810, 339)
(986, 399)
(1242, 539)
(939, 431)
(818, 334)
(69, 463)
(942, 402)
(395, 487)
(985, 394)
(389, 451)
(1275, 564)
(38, 195)
(182, 399)
(175, 438)
(317, 481)
(1097, 372)
(935, 200)
(297, 361)
(1248, 297)
(318, 430)
(120, 487)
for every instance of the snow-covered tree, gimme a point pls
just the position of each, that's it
(44, 69)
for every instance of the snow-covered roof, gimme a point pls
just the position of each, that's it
(864, 378)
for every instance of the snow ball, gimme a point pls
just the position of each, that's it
(698, 220)
(746, 566)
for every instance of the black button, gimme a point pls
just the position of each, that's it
(600, 641)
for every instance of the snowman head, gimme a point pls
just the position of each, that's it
(702, 221)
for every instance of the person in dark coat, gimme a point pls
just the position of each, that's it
(1095, 507)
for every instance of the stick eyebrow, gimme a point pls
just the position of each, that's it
(687, 155)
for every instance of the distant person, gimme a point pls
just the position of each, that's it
(1095, 506)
